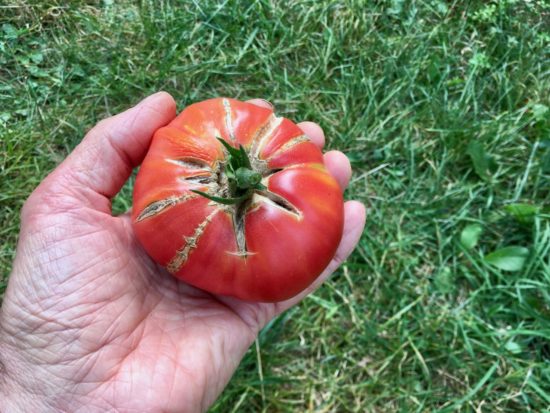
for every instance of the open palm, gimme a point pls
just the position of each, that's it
(90, 323)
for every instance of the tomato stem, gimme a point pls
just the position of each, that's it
(247, 178)
(242, 178)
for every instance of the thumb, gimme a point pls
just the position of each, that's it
(100, 165)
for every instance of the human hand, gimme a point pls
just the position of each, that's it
(90, 323)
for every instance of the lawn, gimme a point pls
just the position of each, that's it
(443, 109)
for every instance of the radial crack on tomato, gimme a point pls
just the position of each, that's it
(228, 119)
(283, 211)
(202, 180)
(239, 227)
(191, 163)
(269, 172)
(279, 201)
(162, 205)
(263, 134)
(191, 242)
(290, 144)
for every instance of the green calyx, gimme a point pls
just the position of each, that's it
(247, 178)
(242, 179)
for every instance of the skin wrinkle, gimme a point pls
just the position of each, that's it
(40, 223)
(48, 212)
(80, 179)
(124, 158)
(174, 374)
(139, 327)
(153, 277)
(102, 342)
(89, 363)
(129, 351)
(86, 298)
(105, 257)
(89, 293)
(73, 286)
(85, 404)
(44, 346)
(4, 372)
(15, 333)
(55, 244)
(77, 181)
(156, 365)
(218, 352)
(35, 396)
(108, 337)
(117, 381)
(96, 360)
(47, 324)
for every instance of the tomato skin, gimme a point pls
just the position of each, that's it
(270, 248)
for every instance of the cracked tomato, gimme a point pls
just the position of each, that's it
(236, 201)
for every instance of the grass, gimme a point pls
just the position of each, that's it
(443, 108)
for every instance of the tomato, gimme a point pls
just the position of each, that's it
(237, 201)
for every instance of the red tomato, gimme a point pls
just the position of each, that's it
(281, 232)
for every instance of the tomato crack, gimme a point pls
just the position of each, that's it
(191, 163)
(280, 202)
(290, 144)
(201, 179)
(263, 134)
(228, 119)
(162, 205)
(222, 181)
(239, 215)
(190, 243)
(270, 172)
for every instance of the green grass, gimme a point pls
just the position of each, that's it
(416, 321)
